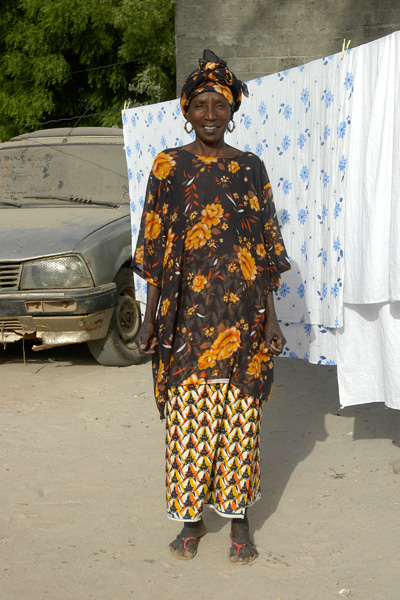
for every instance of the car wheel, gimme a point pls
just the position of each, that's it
(118, 348)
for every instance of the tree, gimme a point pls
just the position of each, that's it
(65, 58)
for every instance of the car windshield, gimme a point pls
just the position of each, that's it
(38, 172)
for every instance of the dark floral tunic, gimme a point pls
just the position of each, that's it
(209, 238)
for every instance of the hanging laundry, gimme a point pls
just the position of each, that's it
(328, 134)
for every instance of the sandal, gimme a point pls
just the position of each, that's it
(187, 554)
(234, 557)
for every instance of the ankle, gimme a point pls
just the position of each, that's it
(194, 524)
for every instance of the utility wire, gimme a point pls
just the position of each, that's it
(106, 112)
(77, 116)
(72, 73)
(15, 81)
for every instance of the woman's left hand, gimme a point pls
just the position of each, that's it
(274, 338)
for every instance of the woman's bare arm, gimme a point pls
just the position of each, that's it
(145, 339)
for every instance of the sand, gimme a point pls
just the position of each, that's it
(82, 490)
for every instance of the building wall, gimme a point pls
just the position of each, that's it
(259, 37)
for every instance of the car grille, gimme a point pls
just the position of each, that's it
(10, 326)
(9, 276)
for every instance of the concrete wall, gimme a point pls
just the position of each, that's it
(259, 37)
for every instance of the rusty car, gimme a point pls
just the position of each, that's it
(65, 243)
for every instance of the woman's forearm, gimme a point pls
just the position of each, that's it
(270, 306)
(153, 296)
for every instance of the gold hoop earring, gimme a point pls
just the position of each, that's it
(233, 127)
(185, 128)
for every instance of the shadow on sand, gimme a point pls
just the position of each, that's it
(294, 421)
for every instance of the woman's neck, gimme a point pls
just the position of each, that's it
(222, 150)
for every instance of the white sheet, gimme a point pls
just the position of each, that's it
(372, 186)
(368, 354)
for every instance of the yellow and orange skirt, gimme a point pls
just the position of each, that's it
(212, 450)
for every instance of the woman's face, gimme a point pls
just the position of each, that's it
(209, 113)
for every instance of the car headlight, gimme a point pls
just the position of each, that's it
(60, 273)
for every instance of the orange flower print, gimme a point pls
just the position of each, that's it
(247, 264)
(197, 236)
(207, 360)
(169, 244)
(153, 226)
(212, 214)
(165, 306)
(207, 160)
(226, 344)
(231, 298)
(225, 91)
(232, 267)
(139, 255)
(254, 368)
(194, 380)
(260, 249)
(263, 354)
(269, 225)
(254, 202)
(198, 283)
(278, 248)
(162, 165)
(233, 166)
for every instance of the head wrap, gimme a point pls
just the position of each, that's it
(213, 75)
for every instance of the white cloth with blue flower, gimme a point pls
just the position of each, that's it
(308, 125)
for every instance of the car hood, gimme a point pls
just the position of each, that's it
(35, 232)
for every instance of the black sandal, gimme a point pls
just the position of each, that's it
(239, 547)
(187, 554)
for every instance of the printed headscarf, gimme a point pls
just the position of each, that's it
(213, 75)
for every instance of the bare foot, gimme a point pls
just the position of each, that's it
(243, 550)
(185, 544)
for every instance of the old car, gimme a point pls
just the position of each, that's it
(65, 243)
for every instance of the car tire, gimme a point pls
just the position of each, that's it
(118, 348)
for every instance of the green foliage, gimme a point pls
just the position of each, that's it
(66, 58)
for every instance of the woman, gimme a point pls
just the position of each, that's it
(211, 251)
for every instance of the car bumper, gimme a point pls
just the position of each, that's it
(57, 317)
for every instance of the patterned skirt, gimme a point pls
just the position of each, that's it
(212, 450)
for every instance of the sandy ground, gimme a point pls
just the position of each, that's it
(82, 491)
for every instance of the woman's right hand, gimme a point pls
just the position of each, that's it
(145, 339)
